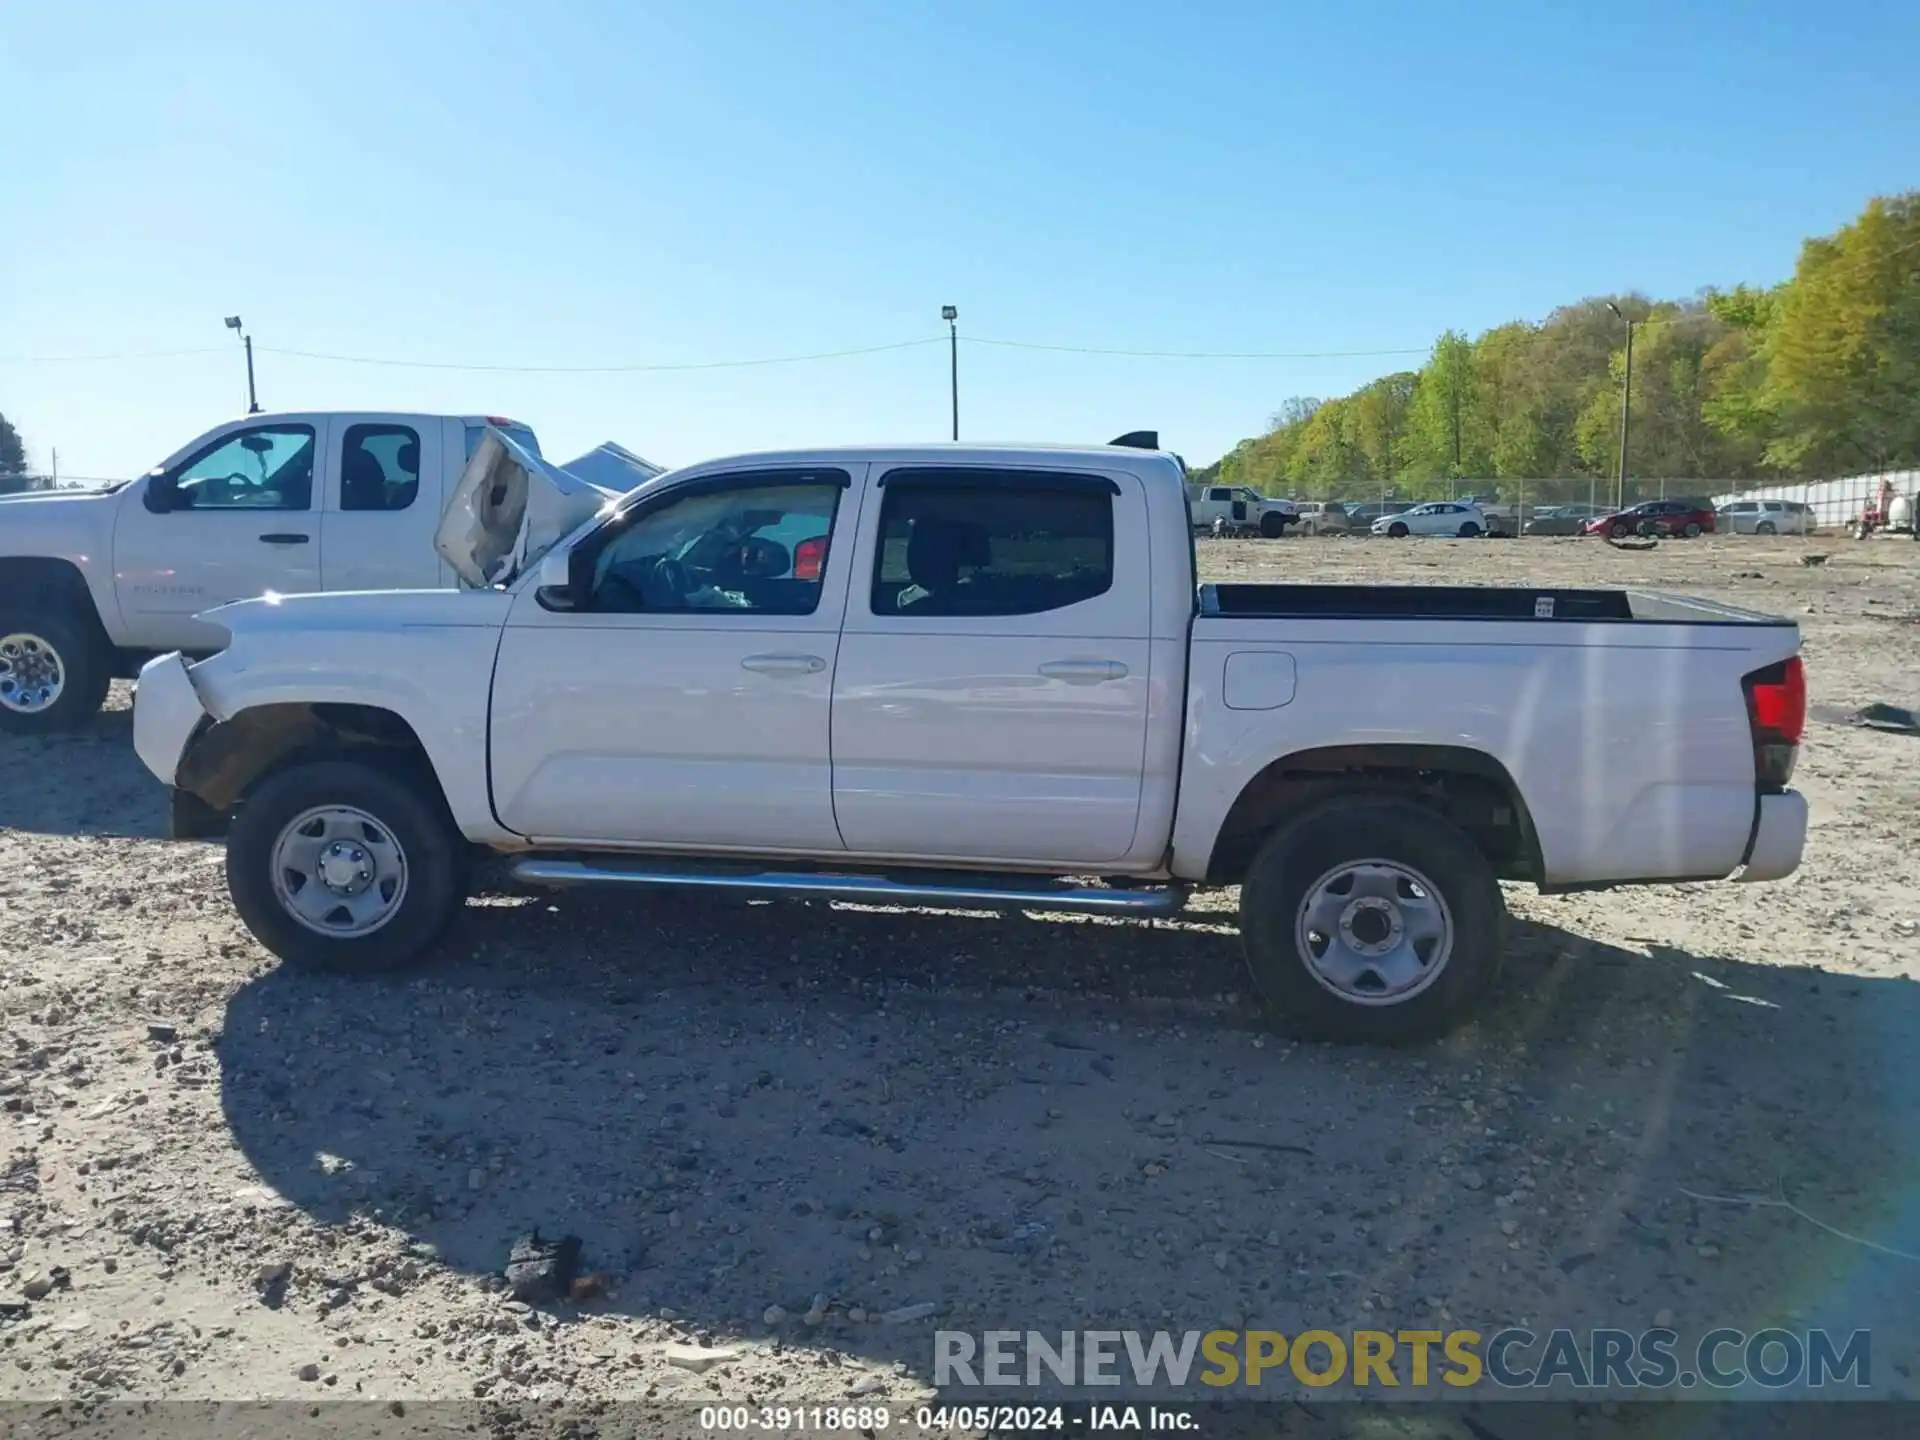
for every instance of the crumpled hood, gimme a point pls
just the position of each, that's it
(362, 610)
(508, 509)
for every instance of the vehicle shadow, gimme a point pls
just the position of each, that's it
(85, 781)
(1044, 1125)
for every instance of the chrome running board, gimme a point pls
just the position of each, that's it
(958, 891)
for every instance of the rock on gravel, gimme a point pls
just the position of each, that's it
(542, 1270)
(698, 1360)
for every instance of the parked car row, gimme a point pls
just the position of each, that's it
(1238, 510)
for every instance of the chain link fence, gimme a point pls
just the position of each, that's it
(1886, 499)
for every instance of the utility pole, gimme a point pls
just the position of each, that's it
(1626, 409)
(253, 400)
(951, 315)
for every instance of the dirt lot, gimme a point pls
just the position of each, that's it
(774, 1125)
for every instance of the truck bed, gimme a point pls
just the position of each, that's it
(1468, 602)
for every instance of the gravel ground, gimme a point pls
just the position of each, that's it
(777, 1126)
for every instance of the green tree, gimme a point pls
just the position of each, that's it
(13, 453)
(1442, 418)
(1817, 375)
(1843, 347)
(1379, 421)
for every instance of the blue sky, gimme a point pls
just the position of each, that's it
(602, 184)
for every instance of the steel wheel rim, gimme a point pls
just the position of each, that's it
(32, 675)
(1374, 932)
(338, 872)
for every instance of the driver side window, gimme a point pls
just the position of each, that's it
(754, 547)
(267, 468)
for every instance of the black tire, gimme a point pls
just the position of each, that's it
(84, 660)
(1273, 525)
(435, 863)
(1398, 531)
(1765, 527)
(1619, 530)
(1469, 530)
(1691, 530)
(1296, 857)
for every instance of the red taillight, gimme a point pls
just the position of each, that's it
(1777, 715)
(808, 556)
(1777, 700)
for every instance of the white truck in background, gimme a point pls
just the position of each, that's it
(1238, 511)
(93, 583)
(954, 676)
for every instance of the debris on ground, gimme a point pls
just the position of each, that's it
(542, 1270)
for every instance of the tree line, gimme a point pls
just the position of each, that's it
(1816, 376)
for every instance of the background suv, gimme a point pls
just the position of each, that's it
(1767, 517)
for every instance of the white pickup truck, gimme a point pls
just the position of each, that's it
(978, 678)
(1239, 511)
(92, 583)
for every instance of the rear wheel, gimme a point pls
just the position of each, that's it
(1469, 530)
(1765, 527)
(1273, 525)
(1692, 530)
(337, 866)
(1398, 531)
(1371, 920)
(54, 671)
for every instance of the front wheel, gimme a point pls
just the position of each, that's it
(1398, 531)
(1619, 530)
(54, 671)
(337, 866)
(1765, 527)
(1273, 525)
(1691, 530)
(1469, 530)
(1371, 920)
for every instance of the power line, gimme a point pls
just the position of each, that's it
(1193, 354)
(601, 369)
(115, 355)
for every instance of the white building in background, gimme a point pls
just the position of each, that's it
(1836, 504)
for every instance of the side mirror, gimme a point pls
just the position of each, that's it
(553, 583)
(162, 494)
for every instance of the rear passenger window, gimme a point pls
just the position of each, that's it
(379, 467)
(991, 542)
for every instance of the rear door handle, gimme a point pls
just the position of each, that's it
(284, 539)
(784, 664)
(1084, 672)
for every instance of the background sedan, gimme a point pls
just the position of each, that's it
(1657, 517)
(1564, 519)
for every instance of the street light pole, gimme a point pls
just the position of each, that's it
(951, 315)
(253, 400)
(1626, 410)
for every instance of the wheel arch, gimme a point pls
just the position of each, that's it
(1469, 787)
(225, 760)
(43, 580)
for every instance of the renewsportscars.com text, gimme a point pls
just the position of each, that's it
(1512, 1358)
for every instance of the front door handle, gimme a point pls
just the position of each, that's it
(784, 664)
(279, 538)
(1084, 672)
